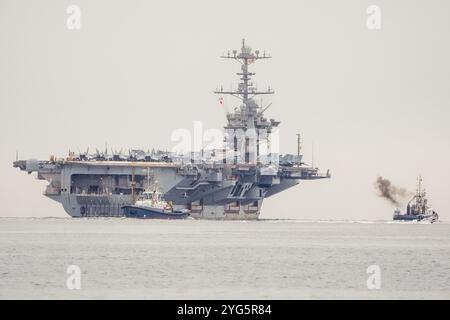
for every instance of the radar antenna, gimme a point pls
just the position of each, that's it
(249, 117)
(246, 90)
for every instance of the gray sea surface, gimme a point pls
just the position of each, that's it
(195, 259)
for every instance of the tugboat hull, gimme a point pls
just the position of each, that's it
(408, 217)
(414, 217)
(149, 213)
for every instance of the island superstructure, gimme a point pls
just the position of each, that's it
(226, 183)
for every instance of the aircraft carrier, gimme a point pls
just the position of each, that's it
(225, 183)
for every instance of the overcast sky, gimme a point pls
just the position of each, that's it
(374, 102)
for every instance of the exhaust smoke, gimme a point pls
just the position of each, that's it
(390, 192)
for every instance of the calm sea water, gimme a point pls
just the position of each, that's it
(192, 259)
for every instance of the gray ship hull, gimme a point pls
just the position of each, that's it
(102, 188)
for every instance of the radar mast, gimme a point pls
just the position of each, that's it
(249, 117)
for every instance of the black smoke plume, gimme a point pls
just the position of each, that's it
(390, 192)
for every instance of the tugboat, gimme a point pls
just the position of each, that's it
(152, 206)
(417, 208)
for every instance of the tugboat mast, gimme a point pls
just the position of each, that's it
(419, 184)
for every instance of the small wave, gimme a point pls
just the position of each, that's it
(263, 220)
(34, 218)
(347, 221)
